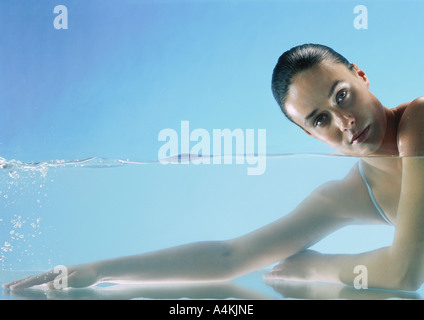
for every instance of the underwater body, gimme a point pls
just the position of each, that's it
(69, 212)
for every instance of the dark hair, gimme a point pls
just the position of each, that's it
(300, 58)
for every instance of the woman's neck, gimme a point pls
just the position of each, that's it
(387, 155)
(389, 145)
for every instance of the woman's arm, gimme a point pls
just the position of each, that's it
(403, 262)
(317, 216)
(373, 269)
(400, 266)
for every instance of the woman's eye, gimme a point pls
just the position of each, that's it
(341, 96)
(320, 120)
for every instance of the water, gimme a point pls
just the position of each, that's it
(68, 212)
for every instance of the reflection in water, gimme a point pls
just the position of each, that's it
(249, 287)
(325, 291)
(216, 291)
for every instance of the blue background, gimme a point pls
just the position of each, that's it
(125, 70)
(122, 72)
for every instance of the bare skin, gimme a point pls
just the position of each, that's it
(352, 121)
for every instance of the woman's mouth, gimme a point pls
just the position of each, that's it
(360, 136)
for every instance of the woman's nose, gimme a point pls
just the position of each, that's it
(345, 121)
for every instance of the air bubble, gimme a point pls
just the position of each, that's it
(14, 174)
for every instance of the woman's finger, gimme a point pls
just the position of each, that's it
(31, 281)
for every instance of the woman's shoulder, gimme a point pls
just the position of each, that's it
(410, 106)
(411, 127)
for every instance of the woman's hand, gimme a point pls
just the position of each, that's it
(60, 277)
(300, 267)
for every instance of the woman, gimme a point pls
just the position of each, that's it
(329, 98)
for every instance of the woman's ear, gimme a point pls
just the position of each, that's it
(361, 74)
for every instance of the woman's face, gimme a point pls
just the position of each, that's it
(334, 105)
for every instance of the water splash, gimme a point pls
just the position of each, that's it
(43, 167)
(99, 162)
